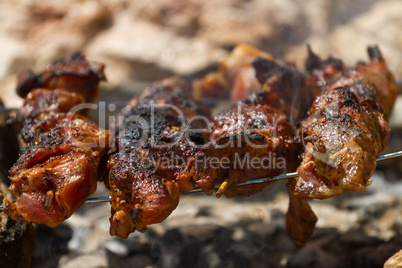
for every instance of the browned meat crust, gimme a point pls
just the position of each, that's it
(58, 170)
(247, 142)
(345, 130)
(139, 195)
(155, 137)
(74, 74)
(38, 106)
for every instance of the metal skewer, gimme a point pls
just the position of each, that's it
(251, 182)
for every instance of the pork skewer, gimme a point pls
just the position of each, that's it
(148, 196)
(58, 169)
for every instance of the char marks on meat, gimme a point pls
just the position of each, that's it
(40, 106)
(155, 137)
(58, 169)
(165, 143)
(74, 74)
(345, 130)
(247, 142)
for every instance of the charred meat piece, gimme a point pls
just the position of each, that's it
(73, 74)
(321, 71)
(342, 139)
(289, 91)
(33, 128)
(49, 192)
(69, 135)
(247, 142)
(172, 153)
(172, 93)
(139, 195)
(58, 169)
(345, 130)
(57, 172)
(378, 73)
(251, 75)
(145, 124)
(154, 138)
(161, 136)
(175, 93)
(40, 104)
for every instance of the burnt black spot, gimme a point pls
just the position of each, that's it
(146, 123)
(195, 137)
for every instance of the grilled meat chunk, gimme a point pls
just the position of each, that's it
(342, 139)
(154, 138)
(345, 130)
(161, 136)
(68, 135)
(57, 172)
(377, 72)
(247, 142)
(377, 83)
(173, 92)
(289, 91)
(73, 74)
(253, 76)
(58, 169)
(321, 71)
(283, 88)
(49, 192)
(139, 195)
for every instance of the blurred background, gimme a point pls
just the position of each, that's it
(143, 41)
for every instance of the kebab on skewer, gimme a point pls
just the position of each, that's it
(353, 119)
(58, 169)
(152, 190)
(259, 127)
